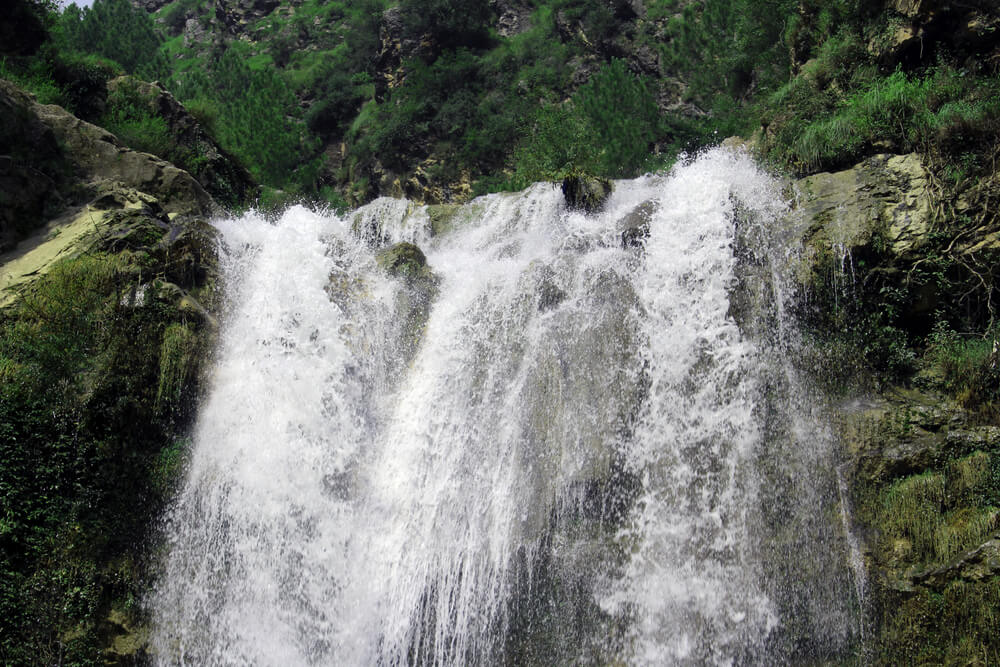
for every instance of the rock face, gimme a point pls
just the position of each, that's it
(69, 185)
(217, 171)
(926, 27)
(885, 199)
(922, 471)
(35, 172)
(58, 161)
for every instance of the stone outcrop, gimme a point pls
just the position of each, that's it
(416, 294)
(92, 191)
(58, 162)
(885, 200)
(218, 171)
(926, 27)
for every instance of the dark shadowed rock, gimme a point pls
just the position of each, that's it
(635, 225)
(586, 193)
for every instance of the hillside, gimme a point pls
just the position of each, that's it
(438, 101)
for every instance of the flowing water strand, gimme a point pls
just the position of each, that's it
(691, 583)
(548, 453)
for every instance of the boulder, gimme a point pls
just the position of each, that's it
(404, 260)
(586, 193)
(415, 295)
(99, 156)
(635, 225)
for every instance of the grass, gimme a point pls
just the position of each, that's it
(966, 366)
(930, 518)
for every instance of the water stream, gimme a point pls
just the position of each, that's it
(559, 450)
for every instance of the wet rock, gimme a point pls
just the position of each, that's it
(978, 564)
(586, 193)
(635, 225)
(913, 433)
(881, 204)
(550, 295)
(415, 296)
(404, 260)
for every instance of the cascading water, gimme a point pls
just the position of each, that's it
(556, 450)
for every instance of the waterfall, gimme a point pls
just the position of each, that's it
(560, 449)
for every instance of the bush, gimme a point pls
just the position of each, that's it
(449, 23)
(607, 129)
(967, 366)
(256, 115)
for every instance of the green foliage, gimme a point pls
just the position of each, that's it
(116, 30)
(942, 111)
(458, 98)
(957, 626)
(607, 129)
(130, 118)
(921, 511)
(86, 452)
(728, 49)
(35, 77)
(967, 366)
(621, 115)
(177, 357)
(448, 23)
(175, 14)
(254, 115)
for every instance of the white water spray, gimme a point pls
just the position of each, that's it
(556, 461)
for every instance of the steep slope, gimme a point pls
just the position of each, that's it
(105, 319)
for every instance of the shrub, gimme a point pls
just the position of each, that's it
(967, 366)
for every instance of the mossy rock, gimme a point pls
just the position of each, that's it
(442, 217)
(404, 260)
(586, 193)
(414, 298)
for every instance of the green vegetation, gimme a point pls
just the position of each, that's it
(116, 30)
(97, 374)
(129, 117)
(957, 626)
(248, 110)
(924, 522)
(570, 90)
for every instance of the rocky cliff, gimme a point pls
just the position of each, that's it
(107, 301)
(899, 268)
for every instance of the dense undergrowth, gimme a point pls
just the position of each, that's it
(97, 369)
(582, 84)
